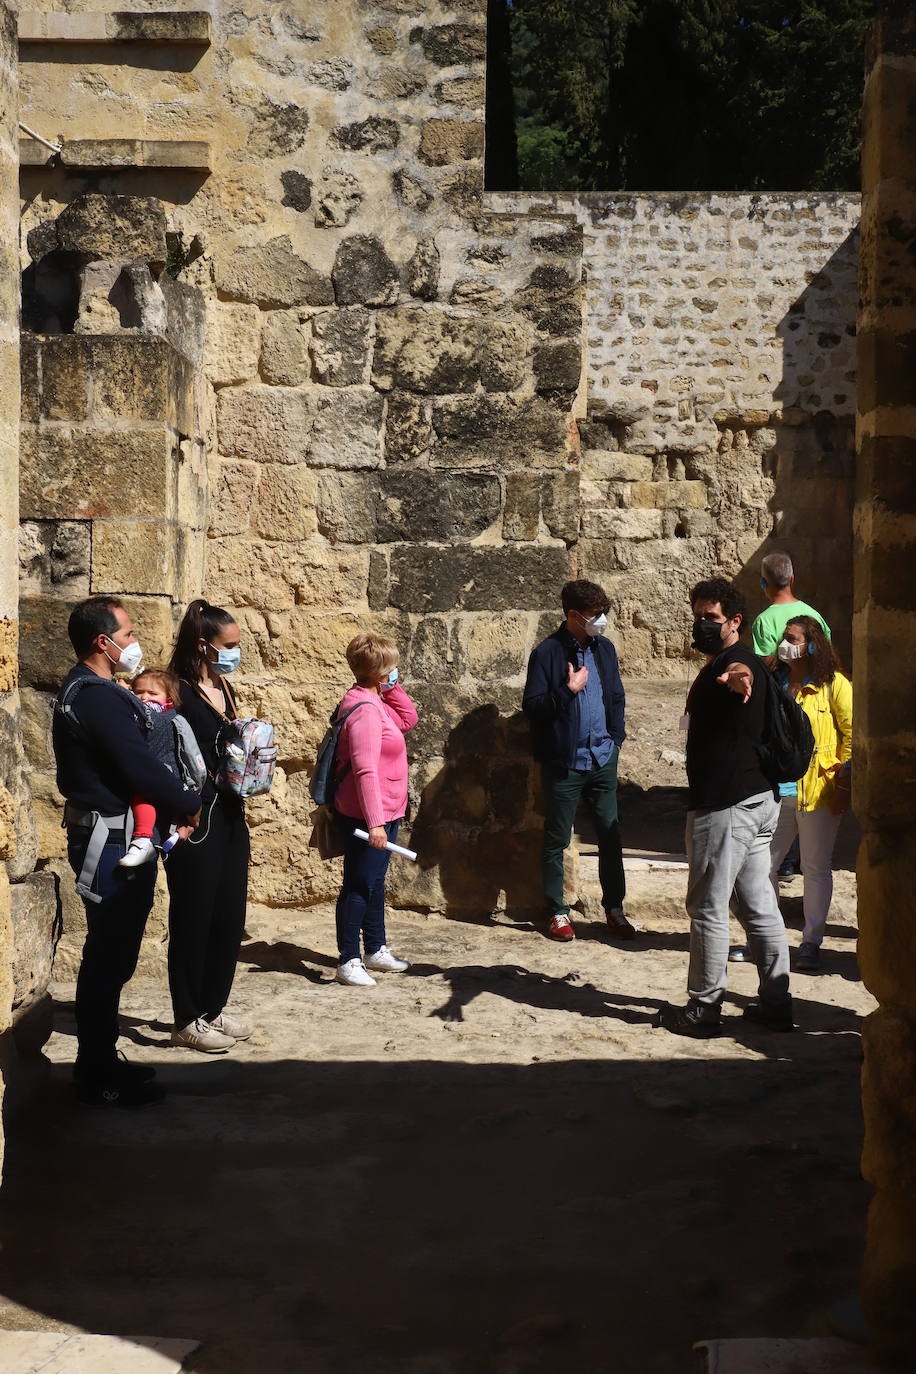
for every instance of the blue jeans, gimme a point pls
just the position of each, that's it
(361, 904)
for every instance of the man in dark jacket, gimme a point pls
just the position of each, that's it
(731, 815)
(574, 700)
(102, 762)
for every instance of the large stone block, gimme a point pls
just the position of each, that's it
(373, 135)
(284, 351)
(476, 579)
(135, 379)
(408, 428)
(444, 141)
(426, 351)
(662, 495)
(128, 466)
(451, 45)
(421, 506)
(33, 904)
(522, 512)
(285, 508)
(265, 424)
(348, 507)
(133, 556)
(622, 524)
(235, 485)
(63, 391)
(340, 346)
(363, 273)
(233, 343)
(273, 276)
(348, 429)
(560, 504)
(499, 432)
(119, 227)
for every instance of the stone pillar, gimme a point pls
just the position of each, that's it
(885, 676)
(9, 463)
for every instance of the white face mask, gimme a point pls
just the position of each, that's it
(597, 625)
(130, 657)
(788, 653)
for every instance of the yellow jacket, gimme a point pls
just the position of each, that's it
(829, 709)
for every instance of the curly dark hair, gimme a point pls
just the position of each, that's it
(823, 660)
(726, 593)
(581, 595)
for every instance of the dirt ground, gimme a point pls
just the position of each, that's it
(492, 1163)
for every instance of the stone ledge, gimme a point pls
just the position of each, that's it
(119, 152)
(122, 26)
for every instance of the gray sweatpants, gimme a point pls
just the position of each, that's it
(728, 853)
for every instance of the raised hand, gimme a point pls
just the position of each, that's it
(576, 678)
(738, 678)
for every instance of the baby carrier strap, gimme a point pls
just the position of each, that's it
(100, 828)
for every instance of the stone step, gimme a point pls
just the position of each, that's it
(60, 1352)
(190, 27)
(189, 154)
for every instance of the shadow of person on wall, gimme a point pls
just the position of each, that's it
(478, 822)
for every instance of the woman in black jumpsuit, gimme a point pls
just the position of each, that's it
(207, 874)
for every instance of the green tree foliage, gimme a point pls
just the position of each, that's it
(686, 94)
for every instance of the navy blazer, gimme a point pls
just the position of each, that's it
(549, 703)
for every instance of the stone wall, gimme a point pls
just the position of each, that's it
(9, 455)
(721, 400)
(885, 678)
(399, 430)
(113, 483)
(391, 378)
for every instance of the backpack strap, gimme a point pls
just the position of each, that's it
(63, 703)
(229, 695)
(339, 777)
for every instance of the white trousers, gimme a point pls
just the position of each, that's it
(816, 832)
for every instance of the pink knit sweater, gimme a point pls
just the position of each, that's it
(372, 741)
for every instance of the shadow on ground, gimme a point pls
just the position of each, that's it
(445, 1218)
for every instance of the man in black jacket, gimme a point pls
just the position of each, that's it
(102, 762)
(574, 701)
(732, 813)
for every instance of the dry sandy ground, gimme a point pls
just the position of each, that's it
(493, 1163)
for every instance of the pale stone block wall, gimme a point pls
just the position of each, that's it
(9, 455)
(721, 374)
(885, 677)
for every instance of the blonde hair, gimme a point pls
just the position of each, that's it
(370, 657)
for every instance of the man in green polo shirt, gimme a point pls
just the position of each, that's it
(777, 581)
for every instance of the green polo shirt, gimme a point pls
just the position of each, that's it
(766, 631)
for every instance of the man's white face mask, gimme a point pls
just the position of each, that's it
(597, 625)
(130, 657)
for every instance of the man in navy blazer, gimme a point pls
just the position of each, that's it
(574, 701)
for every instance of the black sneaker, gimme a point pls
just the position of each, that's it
(134, 1073)
(778, 1018)
(117, 1090)
(697, 1019)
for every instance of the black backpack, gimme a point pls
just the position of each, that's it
(324, 778)
(788, 741)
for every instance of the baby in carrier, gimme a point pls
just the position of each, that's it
(171, 739)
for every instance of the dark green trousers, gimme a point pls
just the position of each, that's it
(564, 789)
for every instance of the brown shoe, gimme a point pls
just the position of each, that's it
(619, 928)
(559, 927)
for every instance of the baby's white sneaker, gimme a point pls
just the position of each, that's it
(138, 852)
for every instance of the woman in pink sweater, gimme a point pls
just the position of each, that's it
(371, 795)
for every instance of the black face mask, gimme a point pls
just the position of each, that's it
(707, 636)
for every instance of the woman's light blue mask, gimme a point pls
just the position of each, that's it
(227, 660)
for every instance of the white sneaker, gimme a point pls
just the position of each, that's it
(231, 1026)
(138, 852)
(383, 961)
(200, 1035)
(354, 974)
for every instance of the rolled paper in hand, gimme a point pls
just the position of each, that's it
(395, 848)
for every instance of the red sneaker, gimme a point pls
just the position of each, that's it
(559, 927)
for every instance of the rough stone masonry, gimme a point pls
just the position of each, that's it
(286, 351)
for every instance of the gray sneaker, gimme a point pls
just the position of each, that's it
(200, 1035)
(231, 1026)
(808, 958)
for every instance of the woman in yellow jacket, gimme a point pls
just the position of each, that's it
(813, 807)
